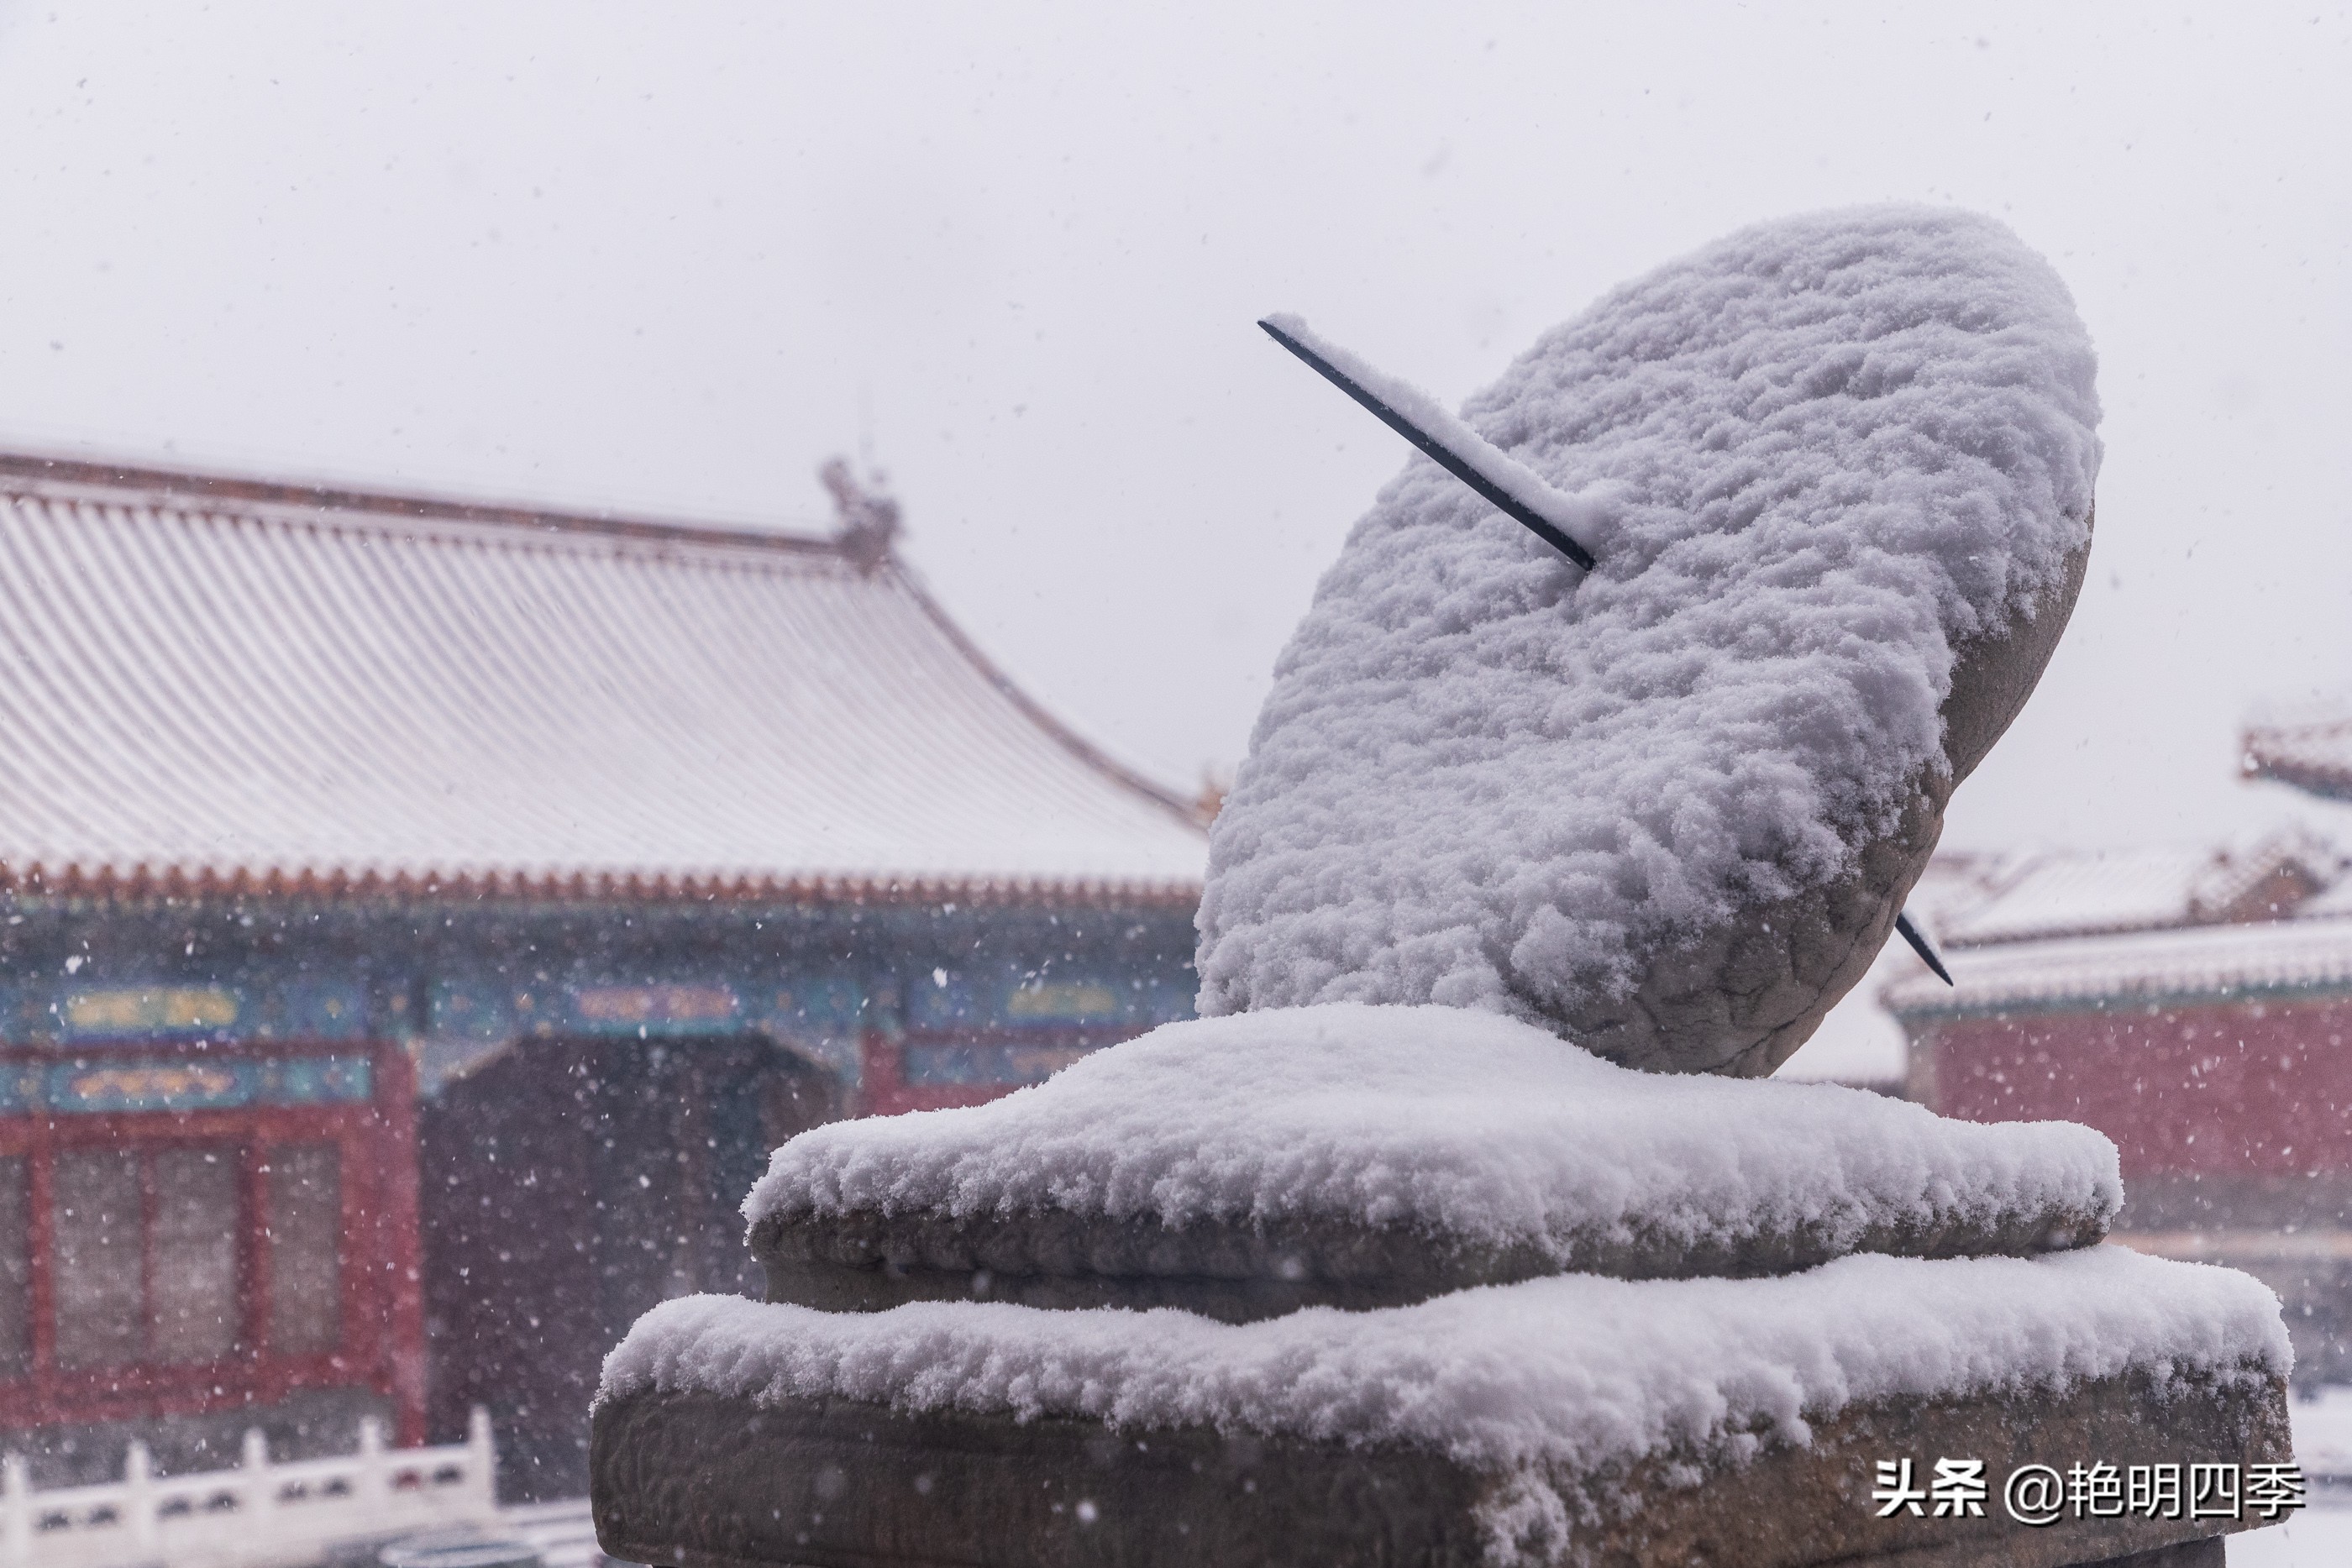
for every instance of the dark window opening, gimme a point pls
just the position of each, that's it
(16, 1272)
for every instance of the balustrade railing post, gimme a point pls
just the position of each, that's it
(375, 1499)
(260, 1486)
(139, 1514)
(482, 1459)
(17, 1498)
(372, 1489)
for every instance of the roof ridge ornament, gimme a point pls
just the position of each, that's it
(868, 514)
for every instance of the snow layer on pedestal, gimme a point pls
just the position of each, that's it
(1573, 1369)
(1462, 1124)
(1834, 449)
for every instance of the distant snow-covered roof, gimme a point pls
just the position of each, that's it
(2076, 893)
(2217, 963)
(2311, 754)
(2334, 903)
(2082, 893)
(216, 682)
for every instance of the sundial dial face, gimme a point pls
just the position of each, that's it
(1634, 710)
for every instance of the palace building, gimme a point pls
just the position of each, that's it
(422, 917)
(2196, 1007)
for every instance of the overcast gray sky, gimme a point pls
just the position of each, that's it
(669, 257)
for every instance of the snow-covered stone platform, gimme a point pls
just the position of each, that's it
(1362, 1156)
(1598, 1317)
(1572, 1420)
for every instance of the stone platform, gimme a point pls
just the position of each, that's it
(1365, 1158)
(700, 1482)
(1574, 1422)
(1450, 1293)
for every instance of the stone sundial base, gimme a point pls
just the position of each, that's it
(1585, 1318)
(709, 1482)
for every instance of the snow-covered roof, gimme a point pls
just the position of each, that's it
(2333, 903)
(2078, 894)
(2311, 754)
(2083, 894)
(2197, 963)
(221, 682)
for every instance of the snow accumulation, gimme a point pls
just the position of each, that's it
(1478, 1128)
(549, 706)
(1574, 1369)
(1816, 461)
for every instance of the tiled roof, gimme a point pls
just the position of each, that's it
(2310, 756)
(2199, 963)
(2084, 894)
(2050, 894)
(2333, 903)
(216, 683)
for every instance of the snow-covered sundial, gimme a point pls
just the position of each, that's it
(1455, 1231)
(1834, 480)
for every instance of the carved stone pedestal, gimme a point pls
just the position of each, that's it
(1586, 1319)
(706, 1482)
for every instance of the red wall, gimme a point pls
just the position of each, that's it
(883, 1089)
(2257, 1089)
(383, 1329)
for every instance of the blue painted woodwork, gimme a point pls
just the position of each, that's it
(185, 1082)
(991, 996)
